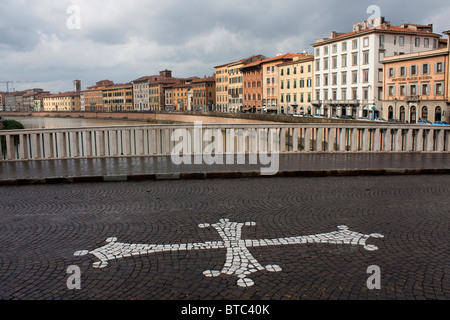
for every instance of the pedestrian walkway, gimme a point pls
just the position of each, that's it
(162, 167)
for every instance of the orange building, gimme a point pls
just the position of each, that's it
(253, 89)
(92, 97)
(270, 80)
(204, 94)
(415, 87)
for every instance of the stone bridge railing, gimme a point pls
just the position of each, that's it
(151, 140)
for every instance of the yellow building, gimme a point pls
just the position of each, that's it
(221, 88)
(118, 97)
(295, 85)
(180, 97)
(68, 101)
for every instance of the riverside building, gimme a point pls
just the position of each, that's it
(348, 67)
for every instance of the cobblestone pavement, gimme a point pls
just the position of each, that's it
(42, 227)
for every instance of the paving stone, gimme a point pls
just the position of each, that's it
(43, 226)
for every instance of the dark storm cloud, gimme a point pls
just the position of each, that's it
(123, 40)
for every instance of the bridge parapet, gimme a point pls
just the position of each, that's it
(154, 140)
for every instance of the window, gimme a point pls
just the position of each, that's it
(354, 59)
(425, 89)
(325, 79)
(439, 68)
(325, 64)
(344, 78)
(417, 42)
(402, 90)
(317, 65)
(334, 48)
(302, 83)
(426, 42)
(325, 50)
(403, 71)
(381, 40)
(334, 79)
(344, 94)
(366, 57)
(354, 76)
(334, 59)
(401, 41)
(365, 93)
(366, 42)
(391, 72)
(413, 89)
(439, 89)
(344, 46)
(413, 70)
(391, 91)
(317, 81)
(366, 76)
(355, 44)
(344, 61)
(425, 68)
(317, 52)
(309, 83)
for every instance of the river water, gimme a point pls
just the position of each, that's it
(60, 122)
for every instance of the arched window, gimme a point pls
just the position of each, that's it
(424, 115)
(391, 113)
(438, 114)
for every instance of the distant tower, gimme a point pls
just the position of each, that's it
(77, 85)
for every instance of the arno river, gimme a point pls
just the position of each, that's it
(66, 122)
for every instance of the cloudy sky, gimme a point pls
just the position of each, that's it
(49, 43)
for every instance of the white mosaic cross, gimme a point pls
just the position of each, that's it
(239, 261)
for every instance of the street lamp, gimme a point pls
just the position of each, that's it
(395, 108)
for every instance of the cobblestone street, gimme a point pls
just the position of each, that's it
(42, 227)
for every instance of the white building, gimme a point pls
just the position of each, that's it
(348, 73)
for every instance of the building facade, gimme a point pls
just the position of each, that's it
(270, 81)
(348, 70)
(149, 92)
(253, 90)
(204, 94)
(221, 88)
(230, 84)
(416, 87)
(118, 98)
(68, 101)
(295, 83)
(92, 97)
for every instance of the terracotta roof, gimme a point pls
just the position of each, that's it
(205, 79)
(308, 57)
(118, 85)
(64, 94)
